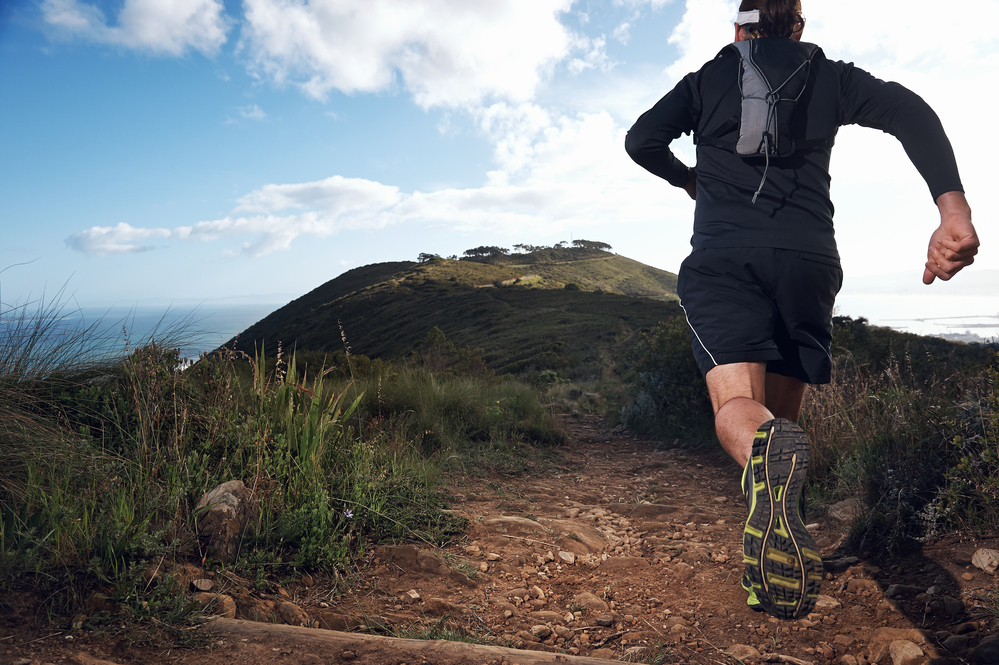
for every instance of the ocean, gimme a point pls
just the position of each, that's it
(198, 329)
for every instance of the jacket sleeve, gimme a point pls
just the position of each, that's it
(648, 140)
(893, 108)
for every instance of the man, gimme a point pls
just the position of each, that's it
(759, 286)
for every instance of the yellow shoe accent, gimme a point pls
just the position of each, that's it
(779, 528)
(781, 581)
(782, 557)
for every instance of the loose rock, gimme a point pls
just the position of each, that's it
(986, 560)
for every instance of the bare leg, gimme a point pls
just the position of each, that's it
(738, 394)
(744, 397)
(784, 395)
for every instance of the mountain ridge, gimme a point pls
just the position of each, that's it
(522, 315)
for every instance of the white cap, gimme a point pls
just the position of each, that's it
(753, 16)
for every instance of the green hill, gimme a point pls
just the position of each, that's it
(564, 315)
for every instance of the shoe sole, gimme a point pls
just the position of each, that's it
(784, 565)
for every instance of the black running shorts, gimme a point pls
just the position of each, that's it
(759, 304)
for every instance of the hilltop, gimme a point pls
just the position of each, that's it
(558, 308)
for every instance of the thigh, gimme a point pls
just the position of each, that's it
(805, 299)
(725, 294)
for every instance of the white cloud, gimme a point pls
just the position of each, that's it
(916, 34)
(165, 27)
(445, 52)
(110, 240)
(252, 112)
(706, 27)
(622, 33)
(554, 172)
(655, 4)
(595, 56)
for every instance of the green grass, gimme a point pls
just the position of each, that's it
(103, 457)
(908, 425)
(521, 329)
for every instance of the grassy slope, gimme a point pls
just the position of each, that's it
(388, 308)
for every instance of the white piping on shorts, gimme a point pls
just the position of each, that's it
(696, 335)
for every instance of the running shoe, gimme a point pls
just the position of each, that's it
(783, 564)
(752, 601)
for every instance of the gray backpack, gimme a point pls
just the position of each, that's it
(773, 74)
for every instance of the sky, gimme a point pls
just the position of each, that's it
(222, 151)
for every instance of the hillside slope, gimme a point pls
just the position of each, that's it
(521, 316)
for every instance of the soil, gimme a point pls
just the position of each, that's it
(623, 549)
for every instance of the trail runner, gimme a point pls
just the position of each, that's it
(759, 285)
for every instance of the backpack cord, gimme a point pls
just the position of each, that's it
(773, 98)
(766, 142)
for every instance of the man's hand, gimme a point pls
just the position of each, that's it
(954, 243)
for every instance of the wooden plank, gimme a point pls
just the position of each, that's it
(364, 646)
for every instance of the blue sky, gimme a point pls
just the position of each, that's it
(200, 151)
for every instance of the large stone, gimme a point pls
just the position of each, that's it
(512, 526)
(956, 643)
(575, 536)
(336, 621)
(825, 603)
(254, 609)
(414, 560)
(227, 514)
(904, 652)
(541, 632)
(292, 614)
(898, 590)
(987, 560)
(439, 607)
(881, 639)
(863, 587)
(743, 652)
(590, 602)
(216, 604)
(953, 607)
(987, 651)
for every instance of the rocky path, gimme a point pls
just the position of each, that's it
(626, 550)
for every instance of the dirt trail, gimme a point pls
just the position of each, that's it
(627, 550)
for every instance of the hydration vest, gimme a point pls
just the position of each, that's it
(773, 74)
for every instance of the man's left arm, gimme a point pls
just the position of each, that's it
(954, 243)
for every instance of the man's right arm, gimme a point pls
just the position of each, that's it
(649, 138)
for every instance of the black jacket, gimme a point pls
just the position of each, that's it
(793, 210)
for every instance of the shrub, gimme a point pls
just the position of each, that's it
(669, 395)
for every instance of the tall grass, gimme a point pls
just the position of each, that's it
(104, 456)
(908, 425)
